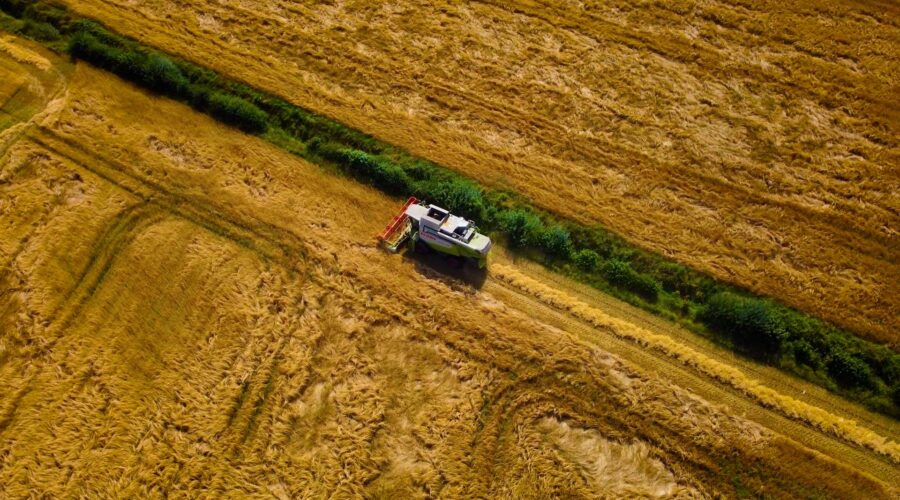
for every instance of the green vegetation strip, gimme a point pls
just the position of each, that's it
(752, 325)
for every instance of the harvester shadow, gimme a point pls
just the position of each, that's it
(447, 269)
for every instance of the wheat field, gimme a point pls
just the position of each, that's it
(187, 310)
(756, 140)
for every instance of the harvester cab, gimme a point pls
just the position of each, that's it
(428, 228)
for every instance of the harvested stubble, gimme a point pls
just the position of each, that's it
(194, 311)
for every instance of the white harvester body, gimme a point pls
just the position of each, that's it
(429, 227)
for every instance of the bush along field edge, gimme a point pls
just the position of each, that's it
(754, 326)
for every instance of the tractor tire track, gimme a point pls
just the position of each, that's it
(118, 235)
(270, 242)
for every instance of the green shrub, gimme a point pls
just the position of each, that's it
(884, 362)
(384, 175)
(422, 171)
(556, 243)
(238, 112)
(297, 123)
(889, 371)
(85, 45)
(521, 226)
(587, 260)
(47, 13)
(804, 354)
(98, 32)
(162, 75)
(849, 371)
(688, 284)
(747, 321)
(42, 31)
(315, 144)
(620, 274)
(458, 196)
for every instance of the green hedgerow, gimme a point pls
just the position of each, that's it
(238, 112)
(522, 227)
(41, 31)
(587, 260)
(556, 242)
(458, 196)
(849, 371)
(749, 322)
(384, 174)
(620, 274)
(163, 75)
(804, 354)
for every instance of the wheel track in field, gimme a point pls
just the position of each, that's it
(152, 203)
(713, 391)
(270, 242)
(119, 233)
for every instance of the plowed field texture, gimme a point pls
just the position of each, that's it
(754, 140)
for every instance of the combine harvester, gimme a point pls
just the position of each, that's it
(429, 228)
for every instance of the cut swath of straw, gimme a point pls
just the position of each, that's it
(816, 417)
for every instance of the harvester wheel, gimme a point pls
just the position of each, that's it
(422, 247)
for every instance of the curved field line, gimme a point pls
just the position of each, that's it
(50, 77)
(790, 407)
(266, 240)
